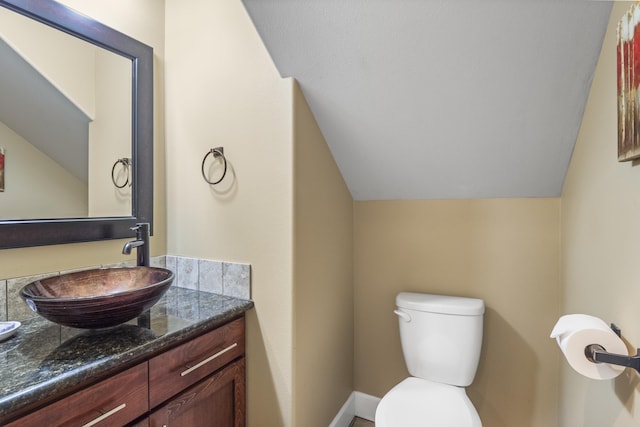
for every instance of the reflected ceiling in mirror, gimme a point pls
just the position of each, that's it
(113, 134)
(65, 120)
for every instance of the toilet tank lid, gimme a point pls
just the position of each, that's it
(440, 304)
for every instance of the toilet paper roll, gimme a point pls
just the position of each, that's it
(574, 332)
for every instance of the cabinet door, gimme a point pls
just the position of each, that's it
(216, 401)
(112, 402)
(185, 365)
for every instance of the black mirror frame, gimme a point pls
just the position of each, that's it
(38, 232)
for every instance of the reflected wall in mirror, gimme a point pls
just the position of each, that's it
(63, 119)
(77, 97)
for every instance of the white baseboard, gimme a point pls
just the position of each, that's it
(366, 405)
(346, 413)
(358, 404)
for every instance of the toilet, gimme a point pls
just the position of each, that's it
(441, 339)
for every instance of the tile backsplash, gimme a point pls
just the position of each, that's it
(225, 278)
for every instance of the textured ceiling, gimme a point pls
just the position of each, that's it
(433, 99)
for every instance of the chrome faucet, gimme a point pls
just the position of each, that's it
(141, 244)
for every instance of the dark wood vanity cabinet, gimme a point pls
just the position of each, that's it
(199, 383)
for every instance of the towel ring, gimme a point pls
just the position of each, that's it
(215, 152)
(126, 163)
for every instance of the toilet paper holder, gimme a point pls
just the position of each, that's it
(598, 354)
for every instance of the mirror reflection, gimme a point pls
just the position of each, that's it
(65, 121)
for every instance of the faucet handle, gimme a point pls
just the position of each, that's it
(141, 229)
(139, 226)
(138, 229)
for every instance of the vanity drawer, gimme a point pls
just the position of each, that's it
(177, 369)
(115, 401)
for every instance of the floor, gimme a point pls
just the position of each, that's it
(360, 422)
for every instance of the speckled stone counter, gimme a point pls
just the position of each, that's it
(44, 360)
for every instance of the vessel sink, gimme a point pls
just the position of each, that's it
(98, 298)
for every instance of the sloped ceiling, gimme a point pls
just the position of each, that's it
(436, 99)
(37, 111)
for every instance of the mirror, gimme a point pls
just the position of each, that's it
(123, 132)
(65, 119)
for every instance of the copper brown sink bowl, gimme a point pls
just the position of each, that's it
(97, 298)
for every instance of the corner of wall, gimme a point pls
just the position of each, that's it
(323, 274)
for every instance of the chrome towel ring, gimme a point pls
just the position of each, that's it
(126, 163)
(217, 152)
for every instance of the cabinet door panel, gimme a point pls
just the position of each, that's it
(179, 368)
(216, 401)
(115, 401)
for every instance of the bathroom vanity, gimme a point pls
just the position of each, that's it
(180, 363)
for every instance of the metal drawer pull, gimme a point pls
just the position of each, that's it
(105, 415)
(209, 359)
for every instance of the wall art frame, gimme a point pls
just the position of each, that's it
(628, 84)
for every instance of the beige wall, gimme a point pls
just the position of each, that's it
(35, 184)
(144, 20)
(503, 251)
(284, 209)
(600, 241)
(110, 136)
(223, 90)
(323, 276)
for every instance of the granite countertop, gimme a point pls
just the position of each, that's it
(44, 359)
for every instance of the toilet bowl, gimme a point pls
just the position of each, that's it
(421, 403)
(441, 339)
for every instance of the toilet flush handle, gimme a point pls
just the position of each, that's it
(402, 315)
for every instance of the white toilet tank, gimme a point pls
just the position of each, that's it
(441, 336)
